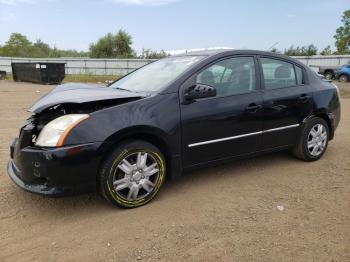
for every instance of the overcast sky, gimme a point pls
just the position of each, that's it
(175, 24)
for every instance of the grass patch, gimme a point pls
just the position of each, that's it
(90, 78)
(344, 89)
(345, 93)
(9, 77)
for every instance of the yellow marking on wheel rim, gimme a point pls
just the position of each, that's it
(142, 201)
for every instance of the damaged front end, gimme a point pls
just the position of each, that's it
(59, 170)
(38, 121)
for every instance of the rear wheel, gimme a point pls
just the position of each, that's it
(132, 174)
(313, 141)
(343, 78)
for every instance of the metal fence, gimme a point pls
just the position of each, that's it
(319, 60)
(123, 66)
(83, 65)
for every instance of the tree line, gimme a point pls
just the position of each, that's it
(110, 46)
(342, 42)
(119, 45)
(18, 45)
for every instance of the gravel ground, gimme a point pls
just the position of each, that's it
(269, 208)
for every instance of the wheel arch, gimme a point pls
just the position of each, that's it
(325, 116)
(151, 135)
(344, 74)
(329, 71)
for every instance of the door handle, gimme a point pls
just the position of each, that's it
(304, 98)
(252, 108)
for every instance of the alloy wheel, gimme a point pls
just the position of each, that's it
(136, 176)
(317, 140)
(328, 76)
(343, 78)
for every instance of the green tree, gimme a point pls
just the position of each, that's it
(104, 48)
(149, 54)
(311, 50)
(301, 51)
(17, 45)
(68, 53)
(40, 49)
(292, 51)
(123, 42)
(111, 46)
(342, 35)
(327, 51)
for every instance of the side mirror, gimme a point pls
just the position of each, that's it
(199, 91)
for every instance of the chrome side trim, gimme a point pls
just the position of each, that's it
(280, 128)
(241, 136)
(224, 139)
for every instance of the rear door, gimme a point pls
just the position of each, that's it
(229, 124)
(287, 101)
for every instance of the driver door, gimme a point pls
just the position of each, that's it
(229, 124)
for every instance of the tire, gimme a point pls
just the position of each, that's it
(343, 78)
(305, 149)
(329, 75)
(132, 174)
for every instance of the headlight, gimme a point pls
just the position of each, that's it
(55, 132)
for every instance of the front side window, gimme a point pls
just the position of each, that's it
(230, 76)
(279, 74)
(155, 76)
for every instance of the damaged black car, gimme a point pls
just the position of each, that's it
(173, 115)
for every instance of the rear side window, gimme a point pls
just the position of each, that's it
(279, 74)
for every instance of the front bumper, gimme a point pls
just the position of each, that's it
(55, 171)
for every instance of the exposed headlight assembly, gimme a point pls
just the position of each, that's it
(56, 131)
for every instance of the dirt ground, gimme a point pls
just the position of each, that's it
(225, 213)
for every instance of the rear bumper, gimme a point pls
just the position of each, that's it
(55, 171)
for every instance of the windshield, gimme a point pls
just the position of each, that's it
(153, 77)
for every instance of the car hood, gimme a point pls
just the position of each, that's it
(80, 93)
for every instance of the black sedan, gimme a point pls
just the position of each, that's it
(173, 115)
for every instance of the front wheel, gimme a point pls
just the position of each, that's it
(329, 75)
(132, 174)
(313, 141)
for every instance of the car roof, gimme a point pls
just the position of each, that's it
(205, 52)
(212, 52)
(228, 52)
